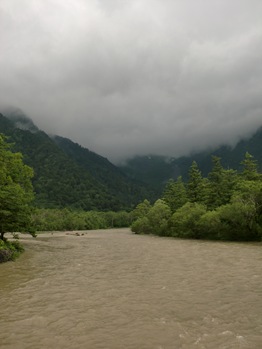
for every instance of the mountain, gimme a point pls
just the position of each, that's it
(156, 170)
(117, 182)
(68, 175)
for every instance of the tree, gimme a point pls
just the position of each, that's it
(210, 226)
(215, 184)
(239, 221)
(249, 192)
(16, 191)
(175, 195)
(184, 222)
(250, 168)
(141, 226)
(221, 184)
(158, 217)
(196, 185)
(155, 221)
(141, 209)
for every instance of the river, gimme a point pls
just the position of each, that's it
(111, 289)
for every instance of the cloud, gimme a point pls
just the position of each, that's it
(135, 77)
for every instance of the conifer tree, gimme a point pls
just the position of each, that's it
(221, 184)
(195, 186)
(250, 168)
(175, 195)
(141, 209)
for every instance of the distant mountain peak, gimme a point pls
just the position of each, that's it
(20, 120)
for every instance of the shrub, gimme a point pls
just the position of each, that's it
(141, 226)
(158, 217)
(184, 222)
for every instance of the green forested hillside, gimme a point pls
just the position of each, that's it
(117, 182)
(68, 175)
(61, 180)
(152, 169)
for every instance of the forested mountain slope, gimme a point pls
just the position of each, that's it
(67, 175)
(156, 170)
(118, 183)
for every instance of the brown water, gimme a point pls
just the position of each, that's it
(115, 290)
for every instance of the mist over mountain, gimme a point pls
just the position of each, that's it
(19, 119)
(68, 175)
(156, 170)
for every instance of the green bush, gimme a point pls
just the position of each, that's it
(184, 222)
(155, 221)
(10, 250)
(210, 226)
(235, 222)
(158, 217)
(238, 222)
(141, 226)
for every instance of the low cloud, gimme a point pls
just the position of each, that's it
(135, 77)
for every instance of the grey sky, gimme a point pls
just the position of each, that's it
(125, 77)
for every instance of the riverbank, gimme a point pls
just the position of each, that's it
(12, 248)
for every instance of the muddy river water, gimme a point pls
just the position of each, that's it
(111, 289)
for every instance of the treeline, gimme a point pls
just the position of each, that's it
(225, 205)
(67, 219)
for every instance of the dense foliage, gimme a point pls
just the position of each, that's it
(66, 219)
(16, 194)
(225, 205)
(16, 191)
(9, 250)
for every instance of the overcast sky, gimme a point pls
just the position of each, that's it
(125, 77)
